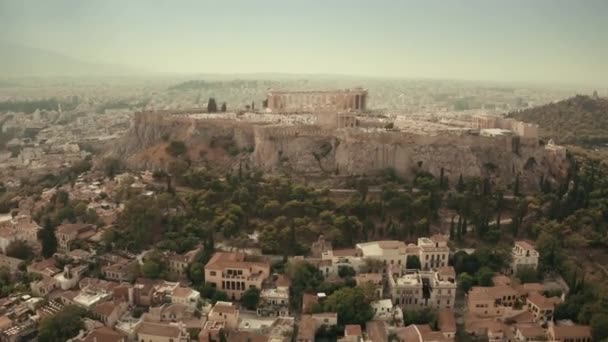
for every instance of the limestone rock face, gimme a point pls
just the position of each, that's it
(309, 151)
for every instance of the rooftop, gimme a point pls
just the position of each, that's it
(157, 329)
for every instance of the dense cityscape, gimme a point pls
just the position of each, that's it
(271, 206)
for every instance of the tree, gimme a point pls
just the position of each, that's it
(346, 271)
(421, 316)
(62, 326)
(465, 281)
(599, 326)
(527, 274)
(305, 277)
(47, 238)
(111, 166)
(196, 274)
(224, 107)
(151, 269)
(351, 304)
(176, 148)
(250, 298)
(219, 296)
(19, 249)
(460, 186)
(211, 106)
(484, 276)
(413, 262)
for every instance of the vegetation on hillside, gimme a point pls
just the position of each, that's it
(580, 120)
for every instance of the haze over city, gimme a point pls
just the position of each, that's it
(303, 171)
(544, 41)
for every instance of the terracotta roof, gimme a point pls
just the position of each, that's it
(352, 330)
(376, 331)
(221, 260)
(283, 281)
(161, 330)
(543, 302)
(439, 238)
(104, 334)
(308, 300)
(446, 320)
(575, 331)
(501, 280)
(182, 292)
(531, 331)
(72, 228)
(447, 271)
(306, 329)
(104, 309)
(525, 245)
(246, 336)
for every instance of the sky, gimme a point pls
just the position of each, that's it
(540, 41)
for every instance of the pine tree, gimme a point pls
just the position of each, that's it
(452, 228)
(211, 105)
(460, 186)
(224, 107)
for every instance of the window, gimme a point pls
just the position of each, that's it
(213, 273)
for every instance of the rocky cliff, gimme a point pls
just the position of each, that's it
(315, 153)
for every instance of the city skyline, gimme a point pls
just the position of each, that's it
(541, 42)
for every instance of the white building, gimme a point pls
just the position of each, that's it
(524, 255)
(419, 289)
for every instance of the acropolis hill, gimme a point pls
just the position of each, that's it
(326, 135)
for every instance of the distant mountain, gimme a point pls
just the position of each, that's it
(580, 120)
(18, 61)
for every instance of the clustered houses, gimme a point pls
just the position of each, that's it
(518, 312)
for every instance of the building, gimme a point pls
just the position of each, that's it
(417, 289)
(541, 307)
(178, 264)
(373, 278)
(224, 312)
(446, 321)
(523, 255)
(161, 332)
(185, 295)
(123, 270)
(352, 333)
(12, 264)
(67, 233)
(315, 101)
(109, 312)
(306, 329)
(433, 252)
(569, 333)
(274, 302)
(231, 273)
(486, 302)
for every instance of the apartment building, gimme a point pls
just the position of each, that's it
(233, 274)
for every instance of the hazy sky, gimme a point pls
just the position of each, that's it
(562, 41)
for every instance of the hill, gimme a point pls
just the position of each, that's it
(19, 61)
(580, 120)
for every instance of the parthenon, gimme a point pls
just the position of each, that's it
(311, 101)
